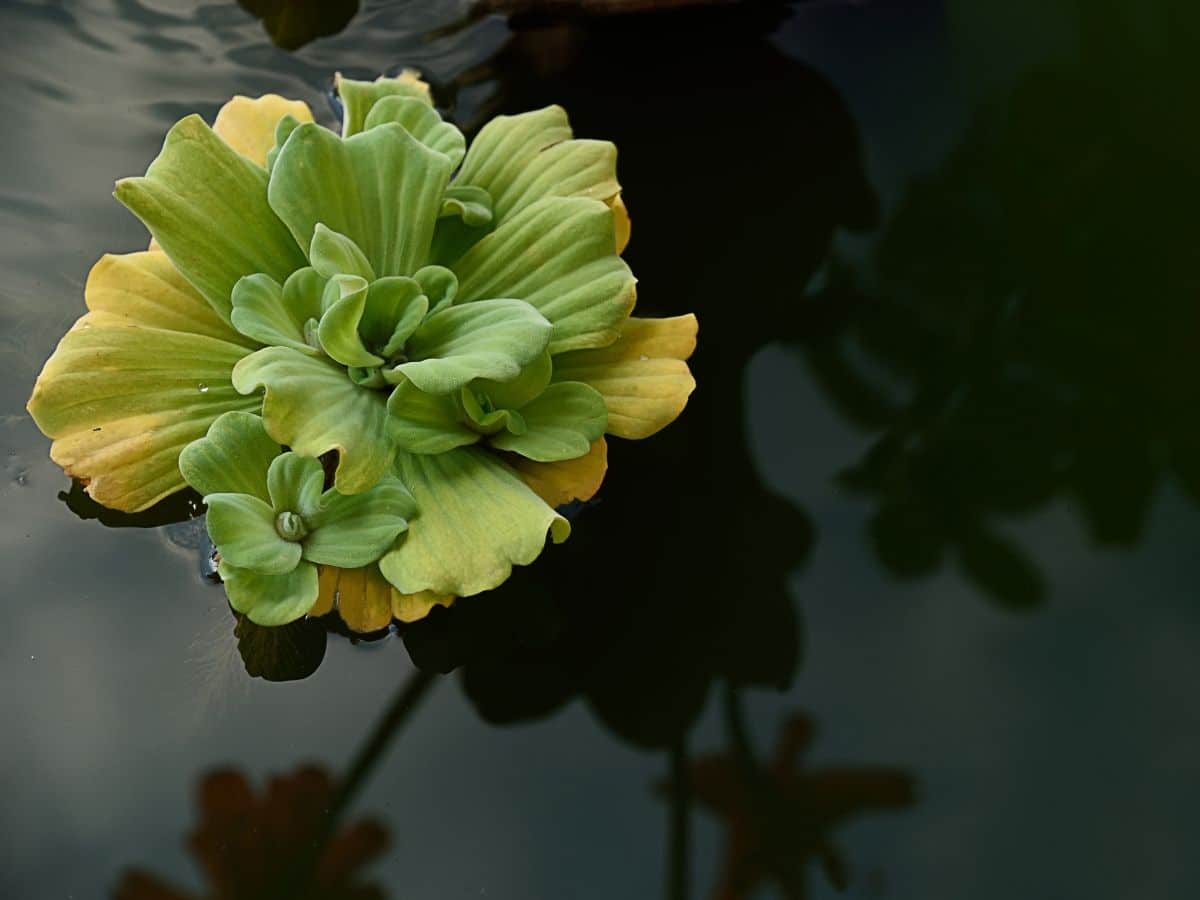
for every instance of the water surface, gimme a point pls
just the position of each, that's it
(936, 492)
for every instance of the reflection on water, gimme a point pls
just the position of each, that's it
(248, 846)
(1035, 303)
(778, 819)
(698, 547)
(910, 361)
(293, 23)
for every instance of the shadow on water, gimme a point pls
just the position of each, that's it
(246, 844)
(1036, 300)
(293, 23)
(678, 572)
(779, 818)
(291, 841)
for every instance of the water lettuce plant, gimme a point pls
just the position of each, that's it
(439, 335)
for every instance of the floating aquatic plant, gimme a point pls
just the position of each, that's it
(448, 327)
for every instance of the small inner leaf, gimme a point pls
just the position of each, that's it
(471, 204)
(489, 339)
(562, 423)
(243, 528)
(426, 423)
(339, 326)
(358, 97)
(395, 307)
(290, 526)
(294, 483)
(484, 418)
(514, 394)
(275, 315)
(333, 254)
(439, 284)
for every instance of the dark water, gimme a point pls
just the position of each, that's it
(935, 497)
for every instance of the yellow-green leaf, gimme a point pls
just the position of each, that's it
(136, 380)
(248, 124)
(643, 377)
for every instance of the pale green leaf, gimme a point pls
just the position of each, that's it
(489, 420)
(477, 520)
(243, 528)
(276, 315)
(471, 204)
(358, 97)
(295, 484)
(206, 205)
(439, 284)
(271, 600)
(561, 423)
(312, 406)
(355, 530)
(427, 423)
(333, 254)
(382, 189)
(232, 458)
(422, 121)
(283, 131)
(489, 339)
(559, 255)
(395, 307)
(516, 393)
(339, 331)
(521, 159)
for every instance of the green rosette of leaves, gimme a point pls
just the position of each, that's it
(272, 520)
(453, 320)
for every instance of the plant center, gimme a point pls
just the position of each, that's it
(290, 527)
